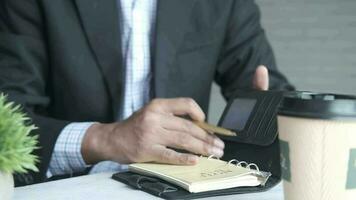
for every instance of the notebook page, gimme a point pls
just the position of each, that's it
(205, 172)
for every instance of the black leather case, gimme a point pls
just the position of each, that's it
(256, 143)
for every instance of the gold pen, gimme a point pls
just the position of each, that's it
(214, 129)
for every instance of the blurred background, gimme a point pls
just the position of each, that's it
(314, 42)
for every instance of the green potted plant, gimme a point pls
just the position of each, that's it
(16, 145)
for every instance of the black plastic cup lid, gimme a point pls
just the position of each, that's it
(318, 105)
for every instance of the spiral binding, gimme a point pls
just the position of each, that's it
(238, 163)
(251, 166)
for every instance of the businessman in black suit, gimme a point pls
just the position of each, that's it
(64, 62)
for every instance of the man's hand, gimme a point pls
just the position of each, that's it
(150, 134)
(260, 79)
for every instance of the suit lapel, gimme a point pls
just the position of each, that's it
(171, 24)
(101, 24)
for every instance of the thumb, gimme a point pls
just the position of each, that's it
(261, 79)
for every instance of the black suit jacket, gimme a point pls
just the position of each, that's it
(62, 59)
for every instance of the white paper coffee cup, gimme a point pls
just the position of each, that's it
(317, 134)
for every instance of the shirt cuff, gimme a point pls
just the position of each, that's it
(67, 157)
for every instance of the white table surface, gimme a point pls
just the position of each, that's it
(101, 186)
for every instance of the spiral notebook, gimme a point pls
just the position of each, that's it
(207, 175)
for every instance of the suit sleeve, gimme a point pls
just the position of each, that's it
(24, 73)
(245, 48)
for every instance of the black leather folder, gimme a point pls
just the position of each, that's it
(253, 115)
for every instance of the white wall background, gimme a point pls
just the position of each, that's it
(314, 42)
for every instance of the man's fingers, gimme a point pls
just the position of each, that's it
(261, 78)
(178, 132)
(180, 106)
(189, 143)
(173, 123)
(169, 156)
